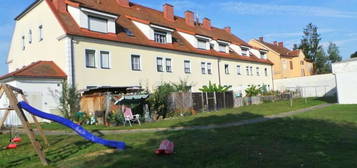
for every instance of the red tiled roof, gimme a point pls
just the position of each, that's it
(283, 51)
(40, 69)
(150, 16)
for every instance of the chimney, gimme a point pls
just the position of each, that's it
(281, 44)
(169, 12)
(206, 24)
(261, 38)
(189, 17)
(275, 43)
(228, 29)
(124, 3)
(60, 5)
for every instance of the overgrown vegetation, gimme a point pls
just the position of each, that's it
(69, 101)
(253, 91)
(159, 98)
(211, 88)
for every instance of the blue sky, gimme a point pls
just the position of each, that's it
(276, 20)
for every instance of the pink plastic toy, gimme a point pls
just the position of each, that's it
(166, 147)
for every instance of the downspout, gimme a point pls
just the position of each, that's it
(72, 61)
(219, 71)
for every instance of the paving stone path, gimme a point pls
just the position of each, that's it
(205, 127)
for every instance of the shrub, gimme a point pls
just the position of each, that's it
(69, 101)
(158, 99)
(253, 91)
(214, 88)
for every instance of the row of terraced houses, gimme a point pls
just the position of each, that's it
(95, 43)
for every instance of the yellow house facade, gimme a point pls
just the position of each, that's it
(287, 63)
(110, 44)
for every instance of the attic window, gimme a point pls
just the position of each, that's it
(98, 24)
(245, 51)
(160, 37)
(222, 47)
(128, 32)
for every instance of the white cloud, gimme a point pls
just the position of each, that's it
(267, 9)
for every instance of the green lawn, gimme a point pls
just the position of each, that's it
(223, 116)
(325, 138)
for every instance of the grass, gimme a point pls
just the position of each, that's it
(207, 118)
(325, 138)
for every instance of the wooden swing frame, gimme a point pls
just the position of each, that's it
(12, 94)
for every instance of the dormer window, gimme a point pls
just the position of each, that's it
(263, 54)
(222, 48)
(245, 51)
(97, 24)
(202, 44)
(160, 37)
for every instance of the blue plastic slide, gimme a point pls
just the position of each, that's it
(77, 128)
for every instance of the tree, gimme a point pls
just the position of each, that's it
(321, 62)
(310, 42)
(69, 101)
(333, 53)
(354, 55)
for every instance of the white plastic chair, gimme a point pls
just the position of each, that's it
(129, 117)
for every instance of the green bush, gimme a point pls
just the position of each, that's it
(211, 88)
(253, 91)
(69, 101)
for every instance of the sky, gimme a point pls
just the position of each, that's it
(275, 20)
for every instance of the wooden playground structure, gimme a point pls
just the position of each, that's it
(13, 94)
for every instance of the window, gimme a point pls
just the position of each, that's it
(266, 71)
(226, 68)
(238, 70)
(258, 71)
(23, 43)
(222, 48)
(90, 58)
(291, 65)
(135, 62)
(159, 65)
(104, 59)
(247, 70)
(187, 66)
(98, 24)
(40, 32)
(251, 71)
(160, 37)
(203, 67)
(202, 44)
(244, 51)
(30, 36)
(209, 68)
(168, 65)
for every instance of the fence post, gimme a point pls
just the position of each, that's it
(207, 104)
(203, 102)
(215, 101)
(224, 100)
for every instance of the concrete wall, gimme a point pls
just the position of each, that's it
(346, 79)
(309, 86)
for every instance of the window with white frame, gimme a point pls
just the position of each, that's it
(187, 66)
(135, 62)
(222, 48)
(266, 71)
(203, 67)
(159, 64)
(258, 71)
(209, 68)
(105, 59)
(90, 58)
(40, 32)
(160, 37)
(168, 65)
(202, 44)
(238, 70)
(245, 51)
(251, 71)
(226, 69)
(97, 24)
(30, 36)
(247, 70)
(23, 46)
